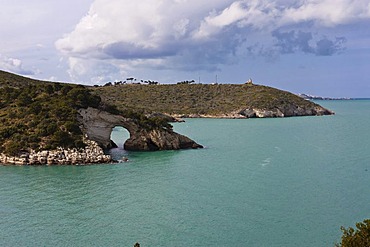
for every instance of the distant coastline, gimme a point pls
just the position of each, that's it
(360, 99)
(314, 97)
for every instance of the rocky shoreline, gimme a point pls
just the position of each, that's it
(91, 154)
(261, 113)
(97, 126)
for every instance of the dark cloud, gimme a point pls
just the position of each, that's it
(299, 41)
(125, 50)
(187, 55)
(327, 47)
(290, 42)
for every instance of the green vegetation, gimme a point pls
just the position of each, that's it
(359, 237)
(42, 115)
(197, 98)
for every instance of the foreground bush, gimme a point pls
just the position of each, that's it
(359, 237)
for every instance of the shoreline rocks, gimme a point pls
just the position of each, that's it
(91, 154)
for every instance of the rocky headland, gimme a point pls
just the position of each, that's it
(47, 123)
(97, 126)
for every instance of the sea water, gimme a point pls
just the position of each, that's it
(257, 182)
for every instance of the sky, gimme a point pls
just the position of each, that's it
(317, 47)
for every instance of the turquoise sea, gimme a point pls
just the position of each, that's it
(258, 182)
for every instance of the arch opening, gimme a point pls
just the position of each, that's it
(119, 136)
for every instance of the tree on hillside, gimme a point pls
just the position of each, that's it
(131, 79)
(186, 82)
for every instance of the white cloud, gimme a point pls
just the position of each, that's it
(14, 65)
(28, 22)
(214, 23)
(328, 12)
(120, 35)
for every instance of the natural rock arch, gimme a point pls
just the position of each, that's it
(119, 135)
(97, 125)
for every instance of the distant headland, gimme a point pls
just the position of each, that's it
(53, 123)
(188, 100)
(313, 97)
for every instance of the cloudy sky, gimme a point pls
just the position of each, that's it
(320, 47)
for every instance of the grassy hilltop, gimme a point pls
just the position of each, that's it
(205, 99)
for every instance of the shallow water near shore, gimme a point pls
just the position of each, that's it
(258, 182)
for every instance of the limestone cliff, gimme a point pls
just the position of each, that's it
(286, 111)
(97, 125)
(91, 154)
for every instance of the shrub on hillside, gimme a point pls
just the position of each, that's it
(359, 237)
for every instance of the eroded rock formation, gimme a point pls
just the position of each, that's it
(98, 125)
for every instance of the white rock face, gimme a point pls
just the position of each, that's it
(266, 113)
(98, 125)
(91, 154)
